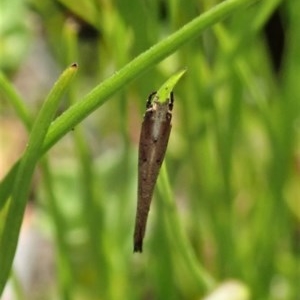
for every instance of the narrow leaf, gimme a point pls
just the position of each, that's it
(164, 91)
(10, 234)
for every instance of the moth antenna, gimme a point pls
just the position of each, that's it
(171, 101)
(149, 100)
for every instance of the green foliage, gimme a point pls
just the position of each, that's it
(21, 186)
(14, 34)
(227, 202)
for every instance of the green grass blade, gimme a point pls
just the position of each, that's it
(24, 174)
(76, 113)
(15, 100)
(164, 91)
(177, 237)
(136, 67)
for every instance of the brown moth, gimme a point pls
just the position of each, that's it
(154, 138)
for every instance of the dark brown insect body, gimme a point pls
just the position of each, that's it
(154, 138)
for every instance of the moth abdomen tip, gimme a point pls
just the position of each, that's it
(138, 247)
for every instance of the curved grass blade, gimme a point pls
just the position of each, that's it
(76, 113)
(10, 234)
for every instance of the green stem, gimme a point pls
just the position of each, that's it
(177, 236)
(136, 67)
(24, 174)
(76, 113)
(65, 276)
(16, 101)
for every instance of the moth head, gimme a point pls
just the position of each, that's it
(151, 100)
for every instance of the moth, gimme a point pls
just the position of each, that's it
(154, 137)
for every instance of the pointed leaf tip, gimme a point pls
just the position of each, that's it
(164, 91)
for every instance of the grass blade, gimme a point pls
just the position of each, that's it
(76, 113)
(24, 174)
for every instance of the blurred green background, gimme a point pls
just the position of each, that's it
(233, 160)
